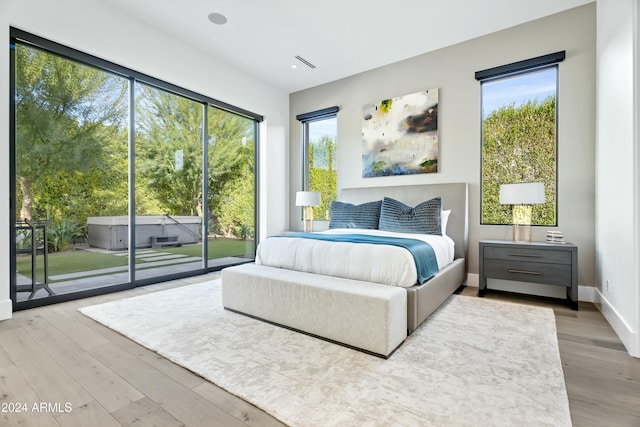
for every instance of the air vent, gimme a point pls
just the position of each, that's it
(305, 62)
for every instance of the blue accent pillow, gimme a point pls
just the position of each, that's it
(346, 215)
(423, 219)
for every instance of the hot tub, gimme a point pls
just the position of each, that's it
(112, 232)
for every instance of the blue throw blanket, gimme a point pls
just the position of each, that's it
(422, 252)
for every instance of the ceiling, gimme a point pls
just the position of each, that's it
(339, 37)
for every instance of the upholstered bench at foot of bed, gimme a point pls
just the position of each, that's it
(367, 316)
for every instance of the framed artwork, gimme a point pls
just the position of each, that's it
(400, 135)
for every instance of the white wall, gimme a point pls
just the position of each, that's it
(5, 302)
(107, 33)
(452, 71)
(617, 161)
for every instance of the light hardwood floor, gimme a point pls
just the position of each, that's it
(603, 381)
(55, 355)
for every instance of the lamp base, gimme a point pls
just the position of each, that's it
(522, 223)
(307, 219)
(522, 232)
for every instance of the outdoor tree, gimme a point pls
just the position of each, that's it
(169, 157)
(72, 148)
(231, 173)
(168, 152)
(69, 118)
(519, 145)
(322, 173)
(235, 208)
(74, 195)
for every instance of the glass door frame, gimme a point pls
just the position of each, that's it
(22, 37)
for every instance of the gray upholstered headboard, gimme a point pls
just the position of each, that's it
(454, 196)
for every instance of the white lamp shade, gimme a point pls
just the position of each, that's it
(307, 198)
(526, 193)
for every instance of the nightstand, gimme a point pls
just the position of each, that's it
(537, 262)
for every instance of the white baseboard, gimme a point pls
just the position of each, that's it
(6, 309)
(626, 334)
(585, 293)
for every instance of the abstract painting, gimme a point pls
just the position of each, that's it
(400, 135)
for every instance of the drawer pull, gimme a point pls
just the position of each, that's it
(526, 255)
(533, 273)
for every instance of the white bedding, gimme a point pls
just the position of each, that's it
(389, 265)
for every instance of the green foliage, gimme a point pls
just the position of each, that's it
(519, 145)
(61, 234)
(23, 238)
(69, 119)
(231, 172)
(72, 149)
(244, 232)
(234, 209)
(167, 124)
(323, 176)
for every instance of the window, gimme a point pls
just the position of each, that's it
(519, 135)
(320, 174)
(127, 179)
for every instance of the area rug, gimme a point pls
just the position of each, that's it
(473, 362)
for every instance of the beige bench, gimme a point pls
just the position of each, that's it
(366, 316)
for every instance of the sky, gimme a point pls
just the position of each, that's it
(323, 127)
(318, 129)
(518, 89)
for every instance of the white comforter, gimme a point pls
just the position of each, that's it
(389, 265)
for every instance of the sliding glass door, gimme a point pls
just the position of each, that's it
(120, 179)
(70, 166)
(231, 187)
(168, 188)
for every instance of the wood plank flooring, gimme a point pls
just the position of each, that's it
(603, 381)
(56, 356)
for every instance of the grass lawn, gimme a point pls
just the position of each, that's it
(218, 248)
(69, 262)
(77, 261)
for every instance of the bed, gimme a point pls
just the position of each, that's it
(319, 298)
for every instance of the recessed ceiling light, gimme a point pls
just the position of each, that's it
(217, 18)
(294, 66)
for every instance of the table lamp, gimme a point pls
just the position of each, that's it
(522, 196)
(307, 199)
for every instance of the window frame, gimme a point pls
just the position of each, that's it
(41, 43)
(21, 37)
(516, 69)
(305, 119)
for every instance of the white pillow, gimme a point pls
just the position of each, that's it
(444, 217)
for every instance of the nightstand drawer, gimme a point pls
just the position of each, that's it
(538, 272)
(524, 254)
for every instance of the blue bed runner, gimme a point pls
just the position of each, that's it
(422, 252)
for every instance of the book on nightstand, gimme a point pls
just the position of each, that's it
(555, 237)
